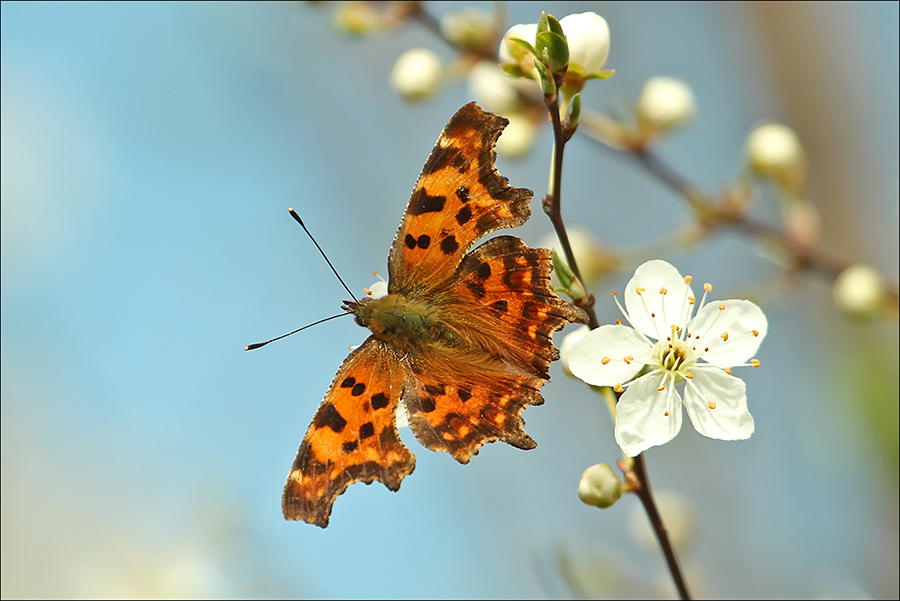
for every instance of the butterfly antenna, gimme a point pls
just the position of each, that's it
(259, 344)
(300, 221)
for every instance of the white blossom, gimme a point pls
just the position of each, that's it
(859, 290)
(417, 74)
(677, 339)
(665, 102)
(588, 37)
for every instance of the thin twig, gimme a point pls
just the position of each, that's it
(662, 535)
(553, 207)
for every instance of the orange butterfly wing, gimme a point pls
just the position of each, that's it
(352, 438)
(458, 198)
(466, 376)
(501, 304)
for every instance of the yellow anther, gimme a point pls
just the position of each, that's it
(721, 307)
(688, 279)
(666, 413)
(755, 333)
(711, 404)
(663, 291)
(688, 375)
(618, 388)
(692, 300)
(661, 388)
(727, 370)
(604, 360)
(707, 287)
(724, 335)
(613, 292)
(639, 290)
(619, 321)
(367, 291)
(653, 315)
(754, 362)
(629, 359)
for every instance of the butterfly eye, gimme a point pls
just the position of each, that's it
(360, 321)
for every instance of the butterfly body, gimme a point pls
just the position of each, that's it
(400, 322)
(462, 339)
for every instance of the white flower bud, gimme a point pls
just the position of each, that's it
(568, 341)
(518, 137)
(665, 102)
(513, 53)
(774, 150)
(859, 290)
(417, 74)
(588, 37)
(599, 486)
(495, 91)
(469, 28)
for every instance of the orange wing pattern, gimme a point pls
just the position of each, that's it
(501, 299)
(352, 438)
(458, 198)
(501, 305)
(463, 339)
(458, 407)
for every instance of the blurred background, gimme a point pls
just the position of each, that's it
(149, 154)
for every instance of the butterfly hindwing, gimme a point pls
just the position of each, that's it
(352, 438)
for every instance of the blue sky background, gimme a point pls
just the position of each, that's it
(149, 154)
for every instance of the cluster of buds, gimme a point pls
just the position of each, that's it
(562, 55)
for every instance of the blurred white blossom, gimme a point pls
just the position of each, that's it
(417, 74)
(665, 102)
(859, 290)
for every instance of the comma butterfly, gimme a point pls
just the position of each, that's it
(464, 340)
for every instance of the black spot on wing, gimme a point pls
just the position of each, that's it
(463, 215)
(329, 417)
(358, 389)
(463, 193)
(366, 430)
(423, 202)
(379, 401)
(449, 245)
(350, 446)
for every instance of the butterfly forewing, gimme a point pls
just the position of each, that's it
(458, 198)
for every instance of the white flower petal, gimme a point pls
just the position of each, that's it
(647, 417)
(587, 35)
(670, 308)
(738, 320)
(510, 52)
(614, 342)
(730, 420)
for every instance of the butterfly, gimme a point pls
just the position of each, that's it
(462, 339)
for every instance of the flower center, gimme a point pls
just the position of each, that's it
(673, 356)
